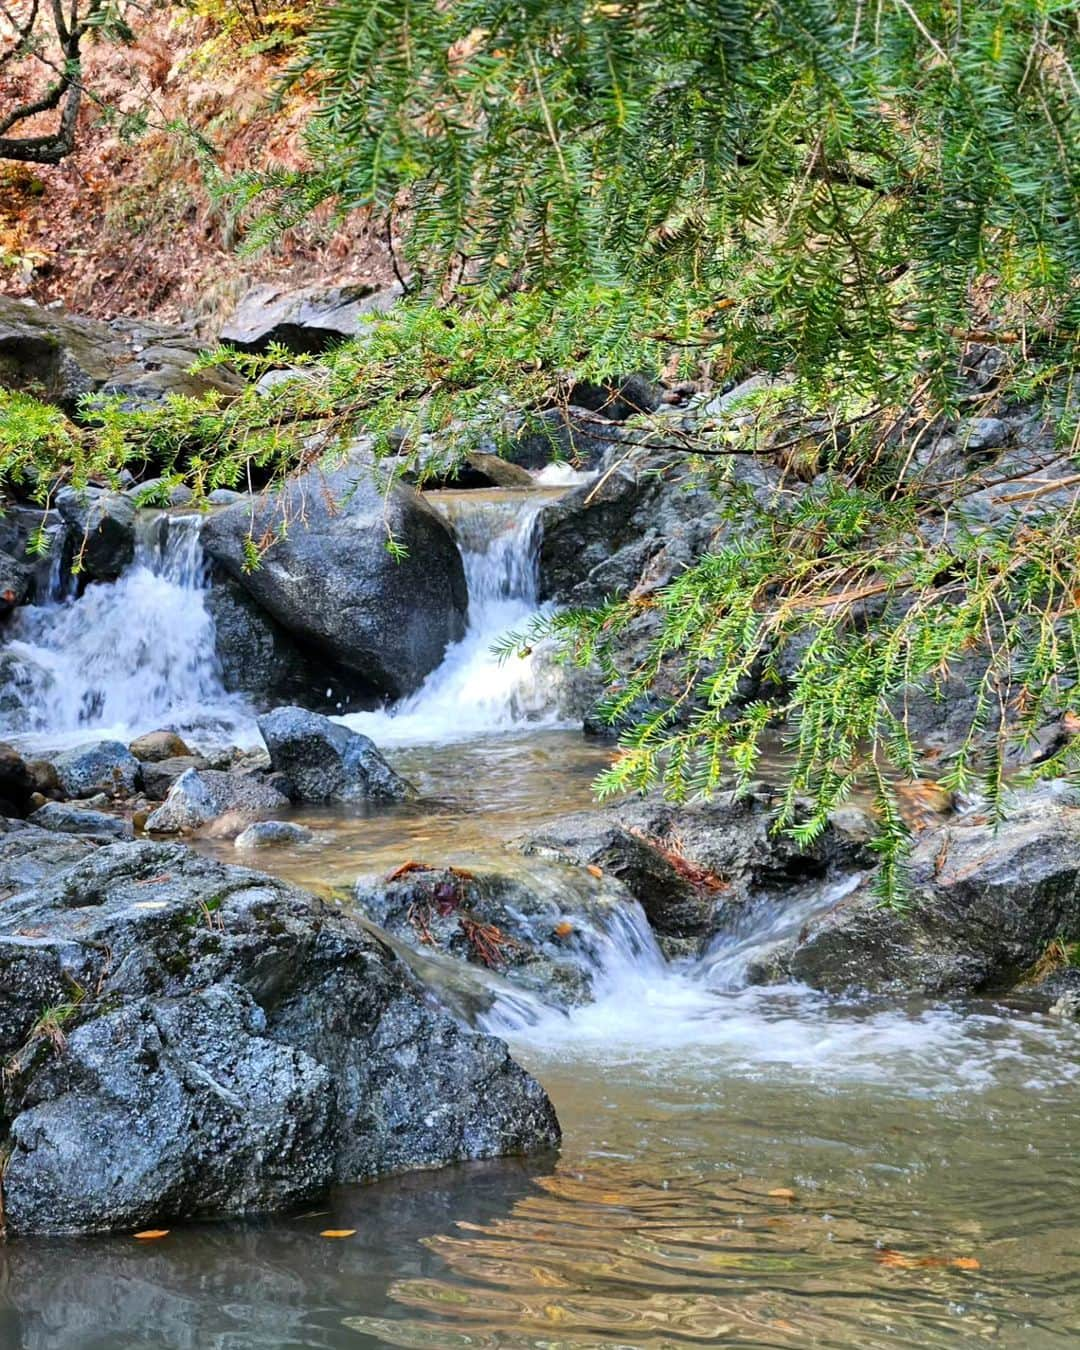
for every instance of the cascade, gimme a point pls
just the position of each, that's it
(124, 656)
(473, 692)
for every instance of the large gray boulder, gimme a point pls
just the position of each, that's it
(325, 762)
(63, 357)
(199, 797)
(101, 531)
(304, 321)
(982, 909)
(104, 766)
(259, 658)
(29, 855)
(224, 1044)
(329, 580)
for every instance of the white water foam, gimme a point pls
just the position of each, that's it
(125, 656)
(474, 692)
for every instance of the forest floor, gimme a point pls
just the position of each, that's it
(126, 225)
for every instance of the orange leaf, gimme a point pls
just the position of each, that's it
(337, 1232)
(148, 1234)
(782, 1193)
(965, 1263)
(594, 871)
(564, 929)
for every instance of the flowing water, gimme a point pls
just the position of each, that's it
(741, 1167)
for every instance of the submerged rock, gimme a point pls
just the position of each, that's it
(104, 766)
(267, 833)
(329, 580)
(224, 1044)
(324, 761)
(201, 796)
(983, 906)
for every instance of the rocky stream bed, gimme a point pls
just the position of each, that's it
(301, 887)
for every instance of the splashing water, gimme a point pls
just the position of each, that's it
(126, 656)
(473, 692)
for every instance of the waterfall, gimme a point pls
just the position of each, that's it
(124, 657)
(473, 692)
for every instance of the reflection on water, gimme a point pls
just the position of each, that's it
(473, 797)
(885, 1197)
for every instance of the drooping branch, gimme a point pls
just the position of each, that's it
(65, 94)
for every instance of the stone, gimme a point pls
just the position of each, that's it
(17, 781)
(16, 583)
(158, 778)
(66, 819)
(101, 525)
(982, 908)
(575, 435)
(199, 797)
(270, 833)
(238, 1047)
(305, 321)
(154, 746)
(541, 925)
(104, 766)
(325, 762)
(699, 868)
(63, 357)
(330, 582)
(259, 658)
(984, 433)
(29, 855)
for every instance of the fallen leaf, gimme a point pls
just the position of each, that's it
(337, 1232)
(148, 1234)
(564, 929)
(782, 1193)
(594, 871)
(966, 1263)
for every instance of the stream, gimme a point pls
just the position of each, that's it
(741, 1166)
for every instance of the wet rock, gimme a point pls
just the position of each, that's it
(575, 435)
(16, 583)
(325, 762)
(237, 1047)
(983, 906)
(697, 868)
(258, 657)
(268, 833)
(65, 819)
(482, 470)
(157, 779)
(16, 781)
(304, 321)
(199, 797)
(105, 766)
(101, 539)
(331, 583)
(155, 746)
(63, 357)
(230, 1121)
(544, 927)
(984, 433)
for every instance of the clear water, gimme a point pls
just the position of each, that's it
(759, 1168)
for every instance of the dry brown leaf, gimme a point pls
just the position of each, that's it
(337, 1232)
(564, 929)
(594, 871)
(965, 1263)
(782, 1193)
(149, 1234)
